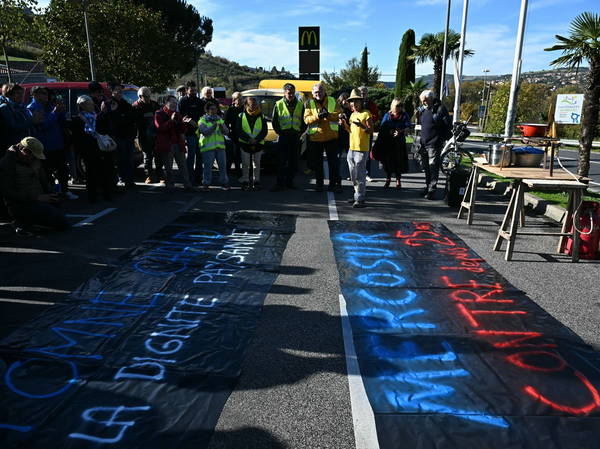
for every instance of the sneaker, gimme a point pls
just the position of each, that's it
(369, 179)
(225, 187)
(71, 195)
(22, 232)
(358, 204)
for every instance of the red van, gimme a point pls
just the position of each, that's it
(69, 92)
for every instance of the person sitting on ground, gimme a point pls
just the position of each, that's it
(170, 143)
(360, 130)
(212, 131)
(51, 133)
(26, 190)
(251, 130)
(99, 165)
(390, 146)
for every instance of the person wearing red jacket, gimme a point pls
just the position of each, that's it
(170, 142)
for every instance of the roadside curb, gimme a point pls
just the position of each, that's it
(537, 204)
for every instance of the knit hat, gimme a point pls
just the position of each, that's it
(35, 146)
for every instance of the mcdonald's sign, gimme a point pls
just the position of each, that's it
(309, 38)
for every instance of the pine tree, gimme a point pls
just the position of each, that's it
(405, 71)
(364, 67)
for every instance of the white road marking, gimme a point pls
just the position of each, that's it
(365, 434)
(91, 218)
(333, 214)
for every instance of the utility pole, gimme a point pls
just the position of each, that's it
(89, 40)
(445, 56)
(483, 96)
(516, 74)
(461, 60)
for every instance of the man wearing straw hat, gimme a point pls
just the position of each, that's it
(360, 127)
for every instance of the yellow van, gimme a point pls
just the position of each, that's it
(266, 99)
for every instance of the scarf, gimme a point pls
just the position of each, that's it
(255, 113)
(89, 122)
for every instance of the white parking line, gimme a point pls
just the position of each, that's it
(333, 215)
(91, 218)
(365, 434)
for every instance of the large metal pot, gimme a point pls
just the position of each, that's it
(532, 129)
(500, 155)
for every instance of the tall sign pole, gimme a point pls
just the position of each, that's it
(89, 40)
(309, 45)
(443, 80)
(461, 60)
(516, 74)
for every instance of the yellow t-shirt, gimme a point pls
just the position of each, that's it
(359, 139)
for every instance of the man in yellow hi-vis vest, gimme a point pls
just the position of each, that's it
(322, 115)
(288, 123)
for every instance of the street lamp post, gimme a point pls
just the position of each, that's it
(483, 97)
(461, 61)
(89, 40)
(445, 55)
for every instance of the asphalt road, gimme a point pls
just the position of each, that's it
(293, 392)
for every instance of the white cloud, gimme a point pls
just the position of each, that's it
(255, 50)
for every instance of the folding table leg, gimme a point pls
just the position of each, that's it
(504, 225)
(467, 195)
(473, 195)
(515, 222)
(576, 224)
(567, 221)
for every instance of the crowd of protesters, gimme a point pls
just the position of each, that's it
(37, 142)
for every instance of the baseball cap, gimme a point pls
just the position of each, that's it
(35, 146)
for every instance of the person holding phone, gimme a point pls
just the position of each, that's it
(360, 128)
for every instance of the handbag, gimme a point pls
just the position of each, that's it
(106, 143)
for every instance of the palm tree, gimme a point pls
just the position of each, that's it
(583, 44)
(431, 48)
(411, 95)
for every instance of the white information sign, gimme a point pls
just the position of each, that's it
(568, 109)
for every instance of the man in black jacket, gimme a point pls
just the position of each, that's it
(231, 117)
(435, 123)
(144, 108)
(191, 107)
(26, 190)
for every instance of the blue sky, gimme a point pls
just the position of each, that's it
(264, 33)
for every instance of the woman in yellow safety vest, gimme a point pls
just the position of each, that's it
(251, 130)
(212, 131)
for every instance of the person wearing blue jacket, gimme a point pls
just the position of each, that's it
(50, 131)
(15, 120)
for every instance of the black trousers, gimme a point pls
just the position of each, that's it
(288, 149)
(36, 213)
(56, 166)
(330, 148)
(100, 173)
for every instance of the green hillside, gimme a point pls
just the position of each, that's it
(217, 71)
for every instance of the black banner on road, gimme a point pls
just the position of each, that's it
(145, 355)
(451, 354)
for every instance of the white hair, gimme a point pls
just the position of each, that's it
(82, 99)
(426, 94)
(204, 90)
(143, 90)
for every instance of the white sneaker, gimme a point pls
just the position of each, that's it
(71, 195)
(369, 179)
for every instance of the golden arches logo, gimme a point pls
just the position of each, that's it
(310, 36)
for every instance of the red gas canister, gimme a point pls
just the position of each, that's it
(589, 226)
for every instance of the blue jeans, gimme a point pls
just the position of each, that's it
(125, 149)
(194, 172)
(208, 158)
